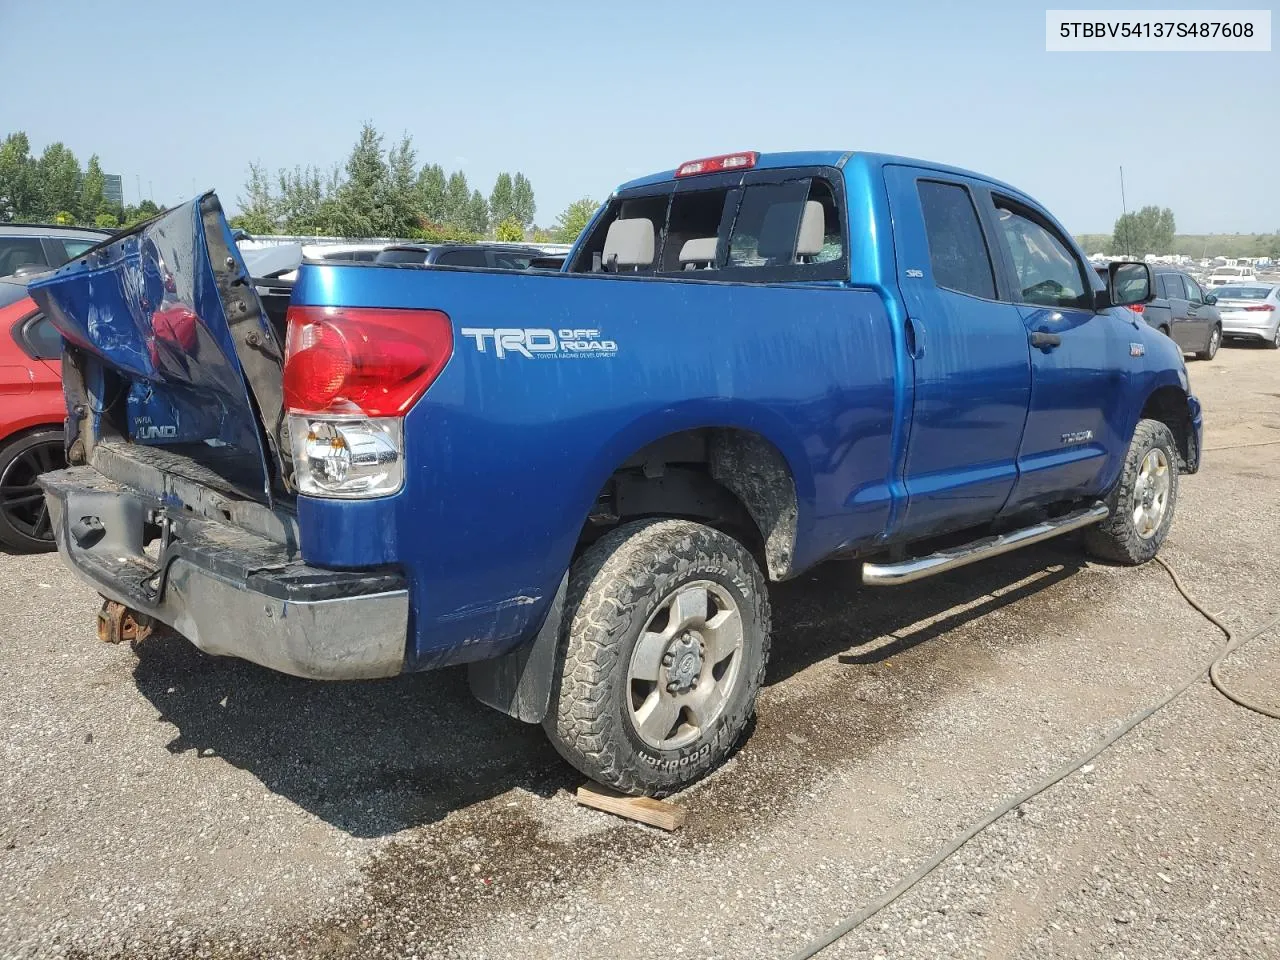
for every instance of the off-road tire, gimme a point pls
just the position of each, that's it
(1116, 539)
(614, 588)
(1211, 348)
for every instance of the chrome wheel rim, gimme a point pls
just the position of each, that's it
(685, 665)
(1215, 340)
(1151, 493)
(21, 498)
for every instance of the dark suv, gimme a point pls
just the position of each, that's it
(1183, 311)
(503, 257)
(38, 247)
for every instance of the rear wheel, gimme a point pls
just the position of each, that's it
(662, 652)
(1274, 342)
(24, 518)
(1143, 501)
(1211, 348)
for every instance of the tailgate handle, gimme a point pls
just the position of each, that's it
(1045, 341)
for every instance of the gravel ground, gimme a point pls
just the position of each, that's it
(178, 805)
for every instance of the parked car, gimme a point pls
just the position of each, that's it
(1251, 312)
(1185, 312)
(42, 246)
(1221, 276)
(1173, 312)
(498, 256)
(30, 418)
(577, 482)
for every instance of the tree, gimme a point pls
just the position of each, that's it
(297, 209)
(364, 199)
(431, 193)
(19, 195)
(523, 207)
(574, 220)
(1149, 230)
(92, 202)
(477, 215)
(404, 201)
(258, 210)
(457, 197)
(502, 199)
(58, 173)
(510, 231)
(107, 220)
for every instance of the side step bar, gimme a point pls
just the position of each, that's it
(917, 568)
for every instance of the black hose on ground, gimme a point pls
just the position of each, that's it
(1210, 667)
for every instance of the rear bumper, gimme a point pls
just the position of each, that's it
(230, 592)
(1250, 328)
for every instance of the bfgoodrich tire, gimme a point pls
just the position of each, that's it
(662, 652)
(1143, 501)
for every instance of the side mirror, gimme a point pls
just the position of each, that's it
(1210, 299)
(1129, 283)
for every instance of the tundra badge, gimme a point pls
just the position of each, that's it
(1137, 349)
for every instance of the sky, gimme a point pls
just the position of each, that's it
(180, 96)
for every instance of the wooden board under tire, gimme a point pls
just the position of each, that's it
(655, 813)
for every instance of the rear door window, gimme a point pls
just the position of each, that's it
(957, 247)
(18, 252)
(42, 339)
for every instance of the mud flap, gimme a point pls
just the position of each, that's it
(519, 683)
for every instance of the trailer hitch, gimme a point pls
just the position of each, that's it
(118, 624)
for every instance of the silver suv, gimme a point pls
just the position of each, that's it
(39, 247)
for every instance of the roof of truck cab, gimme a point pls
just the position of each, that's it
(832, 158)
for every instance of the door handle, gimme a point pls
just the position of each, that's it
(1045, 341)
(915, 338)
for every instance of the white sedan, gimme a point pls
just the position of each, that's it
(1250, 311)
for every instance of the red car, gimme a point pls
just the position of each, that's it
(31, 414)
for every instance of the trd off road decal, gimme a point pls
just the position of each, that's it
(539, 342)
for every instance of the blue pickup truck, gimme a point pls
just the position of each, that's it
(579, 482)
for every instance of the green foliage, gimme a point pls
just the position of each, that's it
(501, 199)
(364, 198)
(523, 207)
(1199, 245)
(1149, 230)
(19, 186)
(457, 198)
(431, 192)
(258, 209)
(402, 174)
(510, 231)
(107, 220)
(477, 215)
(574, 220)
(59, 175)
(91, 200)
(64, 218)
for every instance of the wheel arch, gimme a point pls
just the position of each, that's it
(1168, 404)
(732, 477)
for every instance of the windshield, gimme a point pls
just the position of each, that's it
(1243, 293)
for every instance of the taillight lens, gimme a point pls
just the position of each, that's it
(1137, 307)
(376, 361)
(350, 375)
(1265, 306)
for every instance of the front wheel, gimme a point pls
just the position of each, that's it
(24, 518)
(1142, 502)
(662, 652)
(1211, 348)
